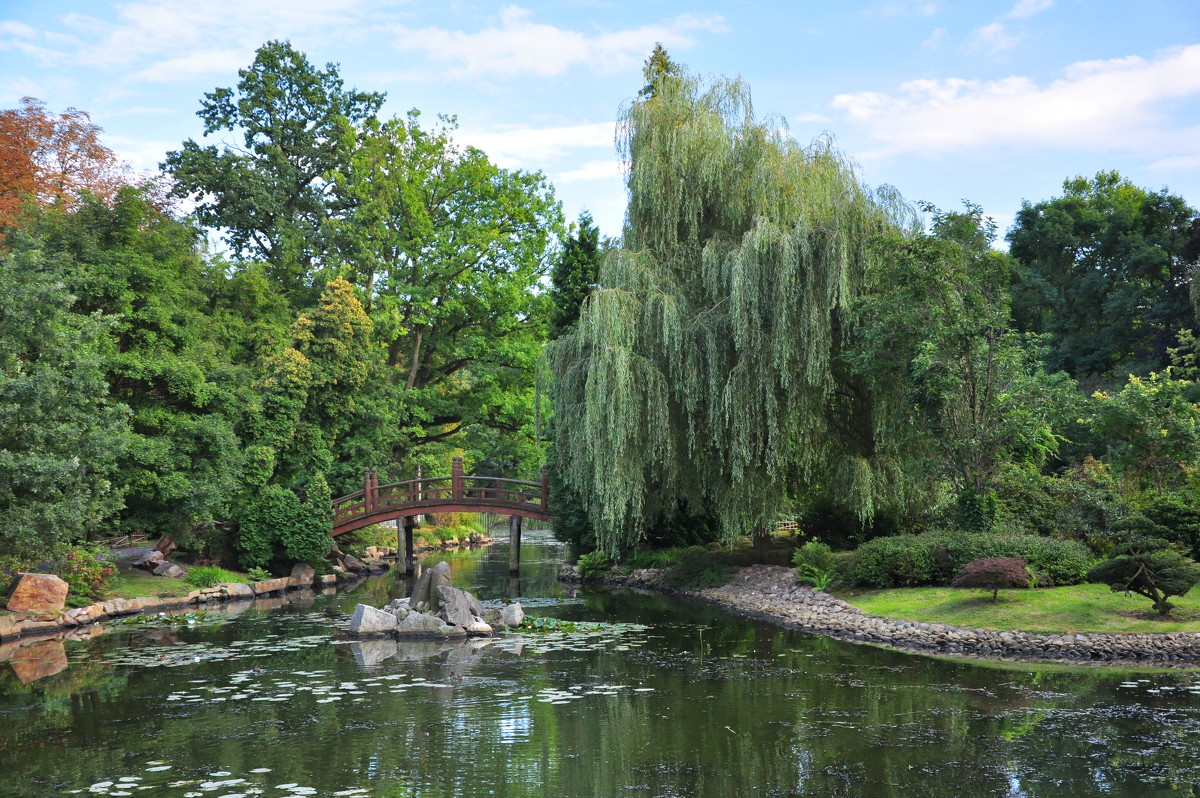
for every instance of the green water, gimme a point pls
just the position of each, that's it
(677, 701)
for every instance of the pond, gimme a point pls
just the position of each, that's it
(665, 698)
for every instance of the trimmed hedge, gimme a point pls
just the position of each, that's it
(933, 558)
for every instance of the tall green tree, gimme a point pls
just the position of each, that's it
(962, 391)
(448, 250)
(270, 193)
(699, 374)
(574, 275)
(61, 433)
(1104, 270)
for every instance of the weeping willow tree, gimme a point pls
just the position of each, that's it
(704, 370)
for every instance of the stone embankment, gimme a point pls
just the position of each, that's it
(53, 620)
(771, 593)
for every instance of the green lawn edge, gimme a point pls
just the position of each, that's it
(1075, 609)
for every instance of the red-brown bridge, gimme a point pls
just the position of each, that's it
(457, 493)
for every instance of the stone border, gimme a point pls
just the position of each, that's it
(771, 593)
(27, 624)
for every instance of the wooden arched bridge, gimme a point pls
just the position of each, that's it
(457, 493)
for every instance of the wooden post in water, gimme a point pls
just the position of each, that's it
(514, 544)
(409, 523)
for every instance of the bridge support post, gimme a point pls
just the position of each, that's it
(514, 544)
(456, 478)
(410, 561)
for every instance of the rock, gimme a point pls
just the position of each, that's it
(38, 593)
(302, 575)
(165, 545)
(479, 627)
(491, 617)
(370, 621)
(372, 553)
(372, 652)
(328, 579)
(512, 615)
(417, 623)
(456, 606)
(10, 626)
(354, 564)
(269, 586)
(149, 560)
(426, 589)
(169, 569)
(235, 590)
(39, 660)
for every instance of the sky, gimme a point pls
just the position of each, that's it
(991, 102)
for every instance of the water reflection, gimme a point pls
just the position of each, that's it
(698, 704)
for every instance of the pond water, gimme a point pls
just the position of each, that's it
(671, 699)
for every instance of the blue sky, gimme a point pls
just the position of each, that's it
(994, 102)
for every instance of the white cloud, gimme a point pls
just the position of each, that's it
(13, 89)
(908, 8)
(532, 148)
(1027, 8)
(1099, 105)
(203, 62)
(935, 39)
(519, 46)
(589, 170)
(10, 27)
(158, 31)
(992, 39)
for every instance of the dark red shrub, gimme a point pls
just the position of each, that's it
(994, 574)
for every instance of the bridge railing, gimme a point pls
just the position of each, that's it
(497, 492)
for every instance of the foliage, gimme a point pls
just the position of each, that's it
(85, 568)
(52, 159)
(374, 535)
(270, 192)
(140, 268)
(276, 528)
(202, 576)
(816, 563)
(1178, 521)
(701, 369)
(60, 432)
(1104, 273)
(592, 565)
(652, 558)
(1152, 429)
(994, 574)
(1150, 568)
(257, 574)
(573, 275)
(935, 557)
(698, 569)
(954, 387)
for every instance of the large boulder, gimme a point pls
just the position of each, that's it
(302, 574)
(165, 545)
(150, 560)
(370, 621)
(418, 624)
(354, 564)
(425, 597)
(458, 607)
(38, 593)
(169, 569)
(512, 615)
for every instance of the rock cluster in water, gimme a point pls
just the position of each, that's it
(434, 609)
(771, 593)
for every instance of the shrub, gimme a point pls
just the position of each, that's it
(897, 561)
(815, 563)
(935, 557)
(658, 558)
(994, 574)
(1150, 568)
(697, 569)
(208, 575)
(1179, 523)
(592, 565)
(257, 574)
(375, 535)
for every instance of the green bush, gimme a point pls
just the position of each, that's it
(1148, 567)
(86, 568)
(257, 574)
(815, 563)
(208, 575)
(592, 565)
(935, 557)
(657, 558)
(697, 569)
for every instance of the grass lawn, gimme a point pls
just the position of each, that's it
(1078, 608)
(136, 583)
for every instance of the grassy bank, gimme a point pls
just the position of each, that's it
(1078, 608)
